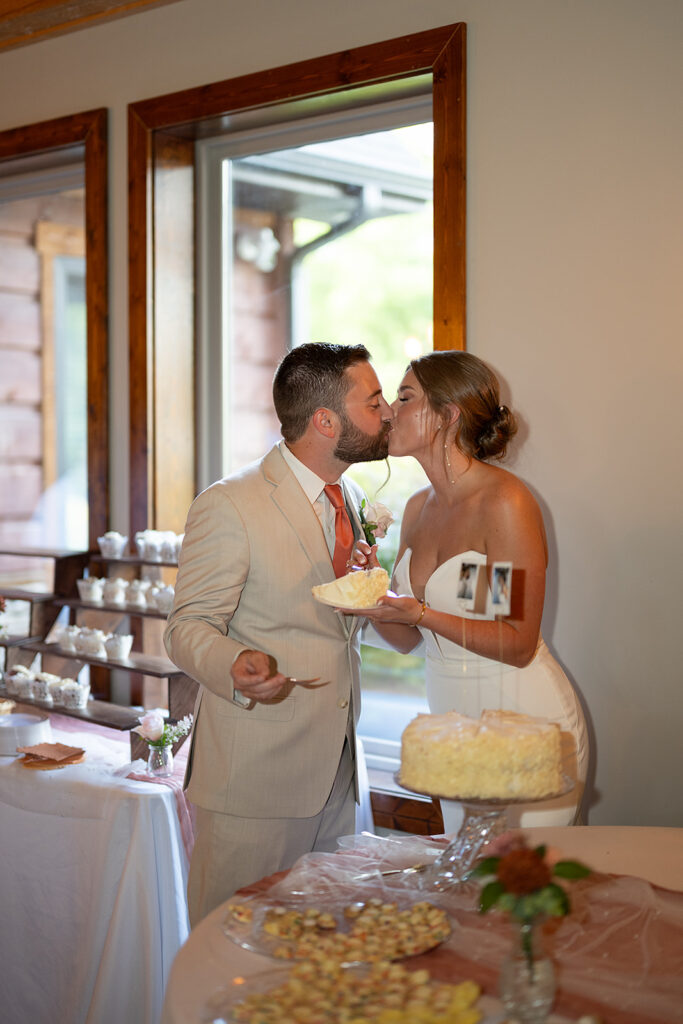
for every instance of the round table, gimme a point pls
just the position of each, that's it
(209, 959)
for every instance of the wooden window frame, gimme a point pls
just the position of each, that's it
(88, 128)
(159, 124)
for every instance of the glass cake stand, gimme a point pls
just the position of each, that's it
(483, 821)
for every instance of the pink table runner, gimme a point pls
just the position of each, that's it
(175, 782)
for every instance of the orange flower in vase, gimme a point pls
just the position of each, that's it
(523, 887)
(523, 871)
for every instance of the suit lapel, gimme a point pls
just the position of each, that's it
(353, 512)
(299, 513)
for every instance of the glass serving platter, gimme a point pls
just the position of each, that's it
(341, 929)
(340, 993)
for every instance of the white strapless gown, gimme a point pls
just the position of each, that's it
(458, 680)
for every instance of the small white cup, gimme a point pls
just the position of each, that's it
(18, 679)
(114, 590)
(56, 693)
(91, 642)
(40, 686)
(90, 589)
(112, 544)
(118, 646)
(163, 598)
(136, 596)
(74, 695)
(23, 687)
(67, 640)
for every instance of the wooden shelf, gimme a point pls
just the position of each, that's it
(7, 640)
(98, 711)
(133, 560)
(146, 664)
(20, 594)
(44, 552)
(44, 609)
(117, 609)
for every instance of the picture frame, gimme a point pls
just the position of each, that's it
(501, 587)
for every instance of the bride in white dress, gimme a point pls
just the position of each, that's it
(448, 416)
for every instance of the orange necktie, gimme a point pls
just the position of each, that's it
(343, 531)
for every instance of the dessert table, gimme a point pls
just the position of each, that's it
(210, 960)
(93, 873)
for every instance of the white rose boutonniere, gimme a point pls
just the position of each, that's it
(375, 520)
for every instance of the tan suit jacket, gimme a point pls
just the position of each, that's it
(253, 549)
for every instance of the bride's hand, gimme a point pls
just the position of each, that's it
(364, 556)
(407, 611)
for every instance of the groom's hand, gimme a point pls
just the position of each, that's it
(255, 675)
(364, 556)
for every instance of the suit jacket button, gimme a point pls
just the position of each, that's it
(342, 703)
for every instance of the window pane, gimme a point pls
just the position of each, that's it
(66, 504)
(43, 418)
(333, 242)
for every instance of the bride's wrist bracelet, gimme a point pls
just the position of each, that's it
(418, 620)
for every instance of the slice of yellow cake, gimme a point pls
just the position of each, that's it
(360, 589)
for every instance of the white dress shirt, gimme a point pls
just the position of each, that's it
(314, 489)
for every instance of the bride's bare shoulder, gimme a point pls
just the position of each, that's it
(416, 502)
(511, 494)
(413, 510)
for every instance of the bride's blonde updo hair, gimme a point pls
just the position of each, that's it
(485, 427)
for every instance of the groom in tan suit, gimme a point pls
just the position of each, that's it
(271, 770)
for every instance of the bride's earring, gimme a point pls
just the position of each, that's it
(448, 462)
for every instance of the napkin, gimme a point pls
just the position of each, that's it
(45, 756)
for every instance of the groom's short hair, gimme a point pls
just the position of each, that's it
(311, 377)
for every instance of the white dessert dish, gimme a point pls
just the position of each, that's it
(163, 598)
(56, 693)
(74, 694)
(91, 642)
(67, 639)
(136, 596)
(23, 729)
(118, 646)
(90, 589)
(158, 545)
(23, 687)
(114, 590)
(112, 544)
(40, 687)
(16, 677)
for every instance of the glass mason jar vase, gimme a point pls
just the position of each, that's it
(160, 760)
(527, 978)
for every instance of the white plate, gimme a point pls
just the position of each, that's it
(348, 607)
(23, 729)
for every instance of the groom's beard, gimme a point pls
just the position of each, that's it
(354, 445)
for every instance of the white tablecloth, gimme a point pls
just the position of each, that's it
(93, 877)
(208, 960)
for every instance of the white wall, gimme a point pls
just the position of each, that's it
(575, 273)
